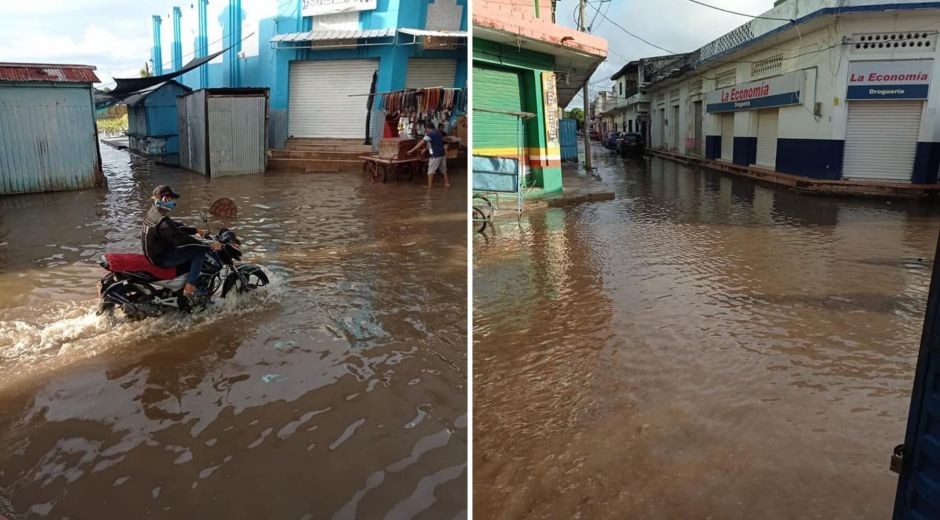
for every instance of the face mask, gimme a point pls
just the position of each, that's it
(165, 205)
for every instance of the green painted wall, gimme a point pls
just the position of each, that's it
(529, 65)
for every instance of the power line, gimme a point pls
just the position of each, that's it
(740, 14)
(644, 40)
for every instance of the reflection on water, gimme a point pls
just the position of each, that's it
(339, 391)
(701, 347)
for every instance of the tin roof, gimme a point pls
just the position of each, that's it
(57, 73)
(352, 34)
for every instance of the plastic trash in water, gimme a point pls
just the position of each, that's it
(272, 378)
(284, 345)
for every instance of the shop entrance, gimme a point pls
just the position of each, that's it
(320, 107)
(727, 136)
(767, 123)
(881, 140)
(430, 73)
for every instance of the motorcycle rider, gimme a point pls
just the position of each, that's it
(168, 243)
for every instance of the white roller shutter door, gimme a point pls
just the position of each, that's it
(727, 137)
(319, 100)
(427, 73)
(881, 140)
(767, 138)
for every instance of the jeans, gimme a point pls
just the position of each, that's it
(194, 256)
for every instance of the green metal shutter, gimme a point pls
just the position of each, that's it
(496, 89)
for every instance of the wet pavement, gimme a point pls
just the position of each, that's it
(700, 347)
(339, 391)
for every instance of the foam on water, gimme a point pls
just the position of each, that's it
(47, 337)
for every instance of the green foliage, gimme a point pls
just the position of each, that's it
(578, 115)
(113, 126)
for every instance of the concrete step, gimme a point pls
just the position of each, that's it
(314, 165)
(327, 148)
(316, 155)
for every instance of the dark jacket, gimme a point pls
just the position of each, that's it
(160, 235)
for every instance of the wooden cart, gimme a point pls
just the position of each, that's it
(377, 168)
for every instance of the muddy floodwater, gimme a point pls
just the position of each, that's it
(700, 347)
(339, 391)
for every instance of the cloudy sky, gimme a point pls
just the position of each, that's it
(114, 35)
(676, 25)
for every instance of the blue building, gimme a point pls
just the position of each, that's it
(320, 58)
(152, 121)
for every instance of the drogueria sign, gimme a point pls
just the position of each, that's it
(901, 79)
(777, 91)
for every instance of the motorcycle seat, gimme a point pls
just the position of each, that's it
(137, 263)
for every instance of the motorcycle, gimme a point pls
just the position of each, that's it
(141, 289)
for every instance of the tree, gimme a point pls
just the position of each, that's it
(578, 115)
(145, 72)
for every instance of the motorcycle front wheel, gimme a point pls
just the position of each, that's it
(245, 278)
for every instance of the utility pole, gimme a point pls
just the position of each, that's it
(584, 94)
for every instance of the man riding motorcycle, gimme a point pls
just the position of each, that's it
(168, 243)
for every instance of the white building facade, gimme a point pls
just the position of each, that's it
(844, 92)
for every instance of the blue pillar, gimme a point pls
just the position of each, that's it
(157, 55)
(202, 43)
(234, 40)
(177, 40)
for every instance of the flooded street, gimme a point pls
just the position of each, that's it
(700, 347)
(339, 391)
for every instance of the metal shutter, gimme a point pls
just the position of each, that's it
(767, 138)
(496, 89)
(727, 137)
(427, 73)
(675, 128)
(319, 102)
(881, 140)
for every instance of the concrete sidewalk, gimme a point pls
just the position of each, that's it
(806, 185)
(577, 188)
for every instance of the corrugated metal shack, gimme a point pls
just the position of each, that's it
(223, 131)
(568, 133)
(48, 137)
(153, 122)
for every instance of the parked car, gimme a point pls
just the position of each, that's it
(610, 140)
(595, 135)
(630, 144)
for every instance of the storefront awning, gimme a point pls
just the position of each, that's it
(434, 39)
(439, 34)
(331, 38)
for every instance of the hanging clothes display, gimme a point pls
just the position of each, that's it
(412, 109)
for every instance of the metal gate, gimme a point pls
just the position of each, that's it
(318, 97)
(918, 459)
(431, 73)
(727, 137)
(881, 140)
(767, 122)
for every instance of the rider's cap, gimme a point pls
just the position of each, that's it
(164, 190)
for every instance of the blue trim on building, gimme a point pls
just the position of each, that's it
(745, 151)
(813, 158)
(866, 92)
(777, 100)
(713, 147)
(827, 11)
(926, 163)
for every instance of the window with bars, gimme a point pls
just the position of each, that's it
(767, 66)
(726, 78)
